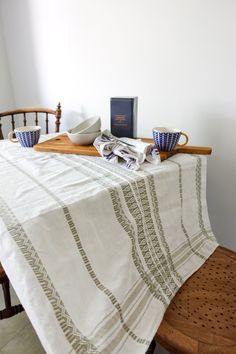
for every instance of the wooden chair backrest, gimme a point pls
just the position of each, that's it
(24, 112)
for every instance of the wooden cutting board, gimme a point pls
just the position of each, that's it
(63, 145)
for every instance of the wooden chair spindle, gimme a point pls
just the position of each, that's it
(36, 118)
(25, 121)
(58, 118)
(46, 123)
(1, 134)
(12, 122)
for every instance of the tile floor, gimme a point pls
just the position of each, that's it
(17, 335)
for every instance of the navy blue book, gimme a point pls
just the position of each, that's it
(124, 116)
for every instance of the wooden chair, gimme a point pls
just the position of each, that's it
(201, 318)
(26, 112)
(10, 310)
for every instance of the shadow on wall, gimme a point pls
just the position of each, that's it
(221, 191)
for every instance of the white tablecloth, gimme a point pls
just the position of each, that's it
(96, 252)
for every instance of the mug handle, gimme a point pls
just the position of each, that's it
(10, 137)
(186, 139)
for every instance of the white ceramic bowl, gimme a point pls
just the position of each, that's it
(89, 125)
(84, 138)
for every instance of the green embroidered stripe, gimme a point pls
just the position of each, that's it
(79, 342)
(142, 218)
(124, 222)
(197, 245)
(149, 246)
(144, 211)
(154, 205)
(182, 246)
(132, 176)
(141, 212)
(111, 319)
(117, 340)
(198, 184)
(181, 203)
(199, 193)
(182, 253)
(129, 229)
(83, 254)
(156, 213)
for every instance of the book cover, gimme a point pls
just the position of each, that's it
(124, 116)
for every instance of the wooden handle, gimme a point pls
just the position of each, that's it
(200, 150)
(187, 149)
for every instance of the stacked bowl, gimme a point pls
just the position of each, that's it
(86, 132)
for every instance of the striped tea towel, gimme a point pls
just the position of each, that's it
(130, 153)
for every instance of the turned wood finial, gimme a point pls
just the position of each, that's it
(58, 117)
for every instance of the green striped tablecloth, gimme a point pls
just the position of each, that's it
(96, 252)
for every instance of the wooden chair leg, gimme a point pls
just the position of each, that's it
(6, 293)
(152, 347)
(9, 310)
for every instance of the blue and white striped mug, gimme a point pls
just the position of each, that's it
(166, 139)
(26, 136)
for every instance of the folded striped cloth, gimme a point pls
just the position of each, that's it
(130, 153)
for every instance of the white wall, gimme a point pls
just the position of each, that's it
(178, 57)
(6, 93)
